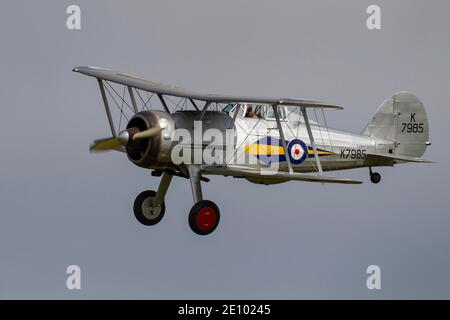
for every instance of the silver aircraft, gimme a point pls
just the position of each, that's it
(177, 132)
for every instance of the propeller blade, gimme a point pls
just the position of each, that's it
(147, 133)
(105, 144)
(122, 139)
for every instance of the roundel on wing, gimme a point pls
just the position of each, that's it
(298, 151)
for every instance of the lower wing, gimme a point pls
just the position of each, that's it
(267, 174)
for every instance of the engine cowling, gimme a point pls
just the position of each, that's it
(154, 151)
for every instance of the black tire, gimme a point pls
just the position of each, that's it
(141, 208)
(375, 177)
(202, 210)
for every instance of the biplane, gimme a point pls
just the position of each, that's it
(176, 132)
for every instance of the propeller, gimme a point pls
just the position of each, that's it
(146, 133)
(105, 144)
(123, 138)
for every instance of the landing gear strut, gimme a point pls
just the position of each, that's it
(149, 206)
(204, 216)
(375, 177)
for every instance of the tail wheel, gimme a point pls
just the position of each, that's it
(145, 211)
(204, 217)
(375, 177)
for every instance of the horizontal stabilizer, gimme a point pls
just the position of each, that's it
(383, 157)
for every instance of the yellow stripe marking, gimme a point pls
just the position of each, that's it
(264, 149)
(311, 152)
(268, 150)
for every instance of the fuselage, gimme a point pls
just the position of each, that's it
(257, 141)
(336, 149)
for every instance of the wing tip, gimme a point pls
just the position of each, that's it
(83, 69)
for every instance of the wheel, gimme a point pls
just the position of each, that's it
(204, 217)
(375, 177)
(144, 210)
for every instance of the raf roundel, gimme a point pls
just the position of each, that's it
(298, 151)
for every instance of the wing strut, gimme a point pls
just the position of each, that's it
(311, 138)
(163, 103)
(236, 111)
(205, 108)
(194, 104)
(133, 100)
(283, 141)
(108, 111)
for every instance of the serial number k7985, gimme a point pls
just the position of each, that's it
(353, 154)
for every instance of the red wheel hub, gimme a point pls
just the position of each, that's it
(206, 219)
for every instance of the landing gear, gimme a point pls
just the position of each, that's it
(149, 206)
(204, 217)
(375, 177)
(145, 211)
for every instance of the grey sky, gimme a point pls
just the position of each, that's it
(60, 205)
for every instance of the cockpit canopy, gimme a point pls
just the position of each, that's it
(257, 111)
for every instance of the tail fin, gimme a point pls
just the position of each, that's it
(402, 120)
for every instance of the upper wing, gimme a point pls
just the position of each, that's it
(171, 90)
(275, 175)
